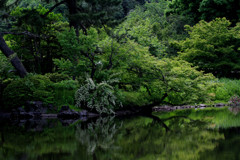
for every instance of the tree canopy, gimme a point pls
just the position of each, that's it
(111, 54)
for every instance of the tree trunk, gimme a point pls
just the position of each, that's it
(15, 61)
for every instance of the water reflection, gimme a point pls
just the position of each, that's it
(183, 135)
(98, 135)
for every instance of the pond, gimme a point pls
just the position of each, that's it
(209, 134)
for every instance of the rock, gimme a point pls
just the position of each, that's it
(37, 115)
(20, 109)
(67, 113)
(25, 115)
(51, 108)
(179, 107)
(36, 106)
(220, 105)
(64, 108)
(83, 113)
(32, 106)
(202, 105)
(187, 106)
(192, 106)
(47, 116)
(83, 119)
(92, 114)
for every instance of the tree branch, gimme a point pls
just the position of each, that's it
(24, 33)
(53, 7)
(15, 61)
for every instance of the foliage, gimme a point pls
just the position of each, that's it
(80, 55)
(227, 89)
(30, 88)
(98, 135)
(148, 26)
(64, 92)
(98, 97)
(167, 80)
(213, 47)
(139, 27)
(206, 9)
(139, 53)
(85, 14)
(5, 67)
(6, 74)
(133, 98)
(38, 46)
(56, 77)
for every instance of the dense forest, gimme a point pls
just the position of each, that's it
(103, 55)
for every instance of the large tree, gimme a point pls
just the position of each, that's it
(207, 9)
(14, 59)
(85, 13)
(213, 47)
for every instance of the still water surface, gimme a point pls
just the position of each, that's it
(209, 134)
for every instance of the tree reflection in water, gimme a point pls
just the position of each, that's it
(188, 135)
(98, 135)
(146, 138)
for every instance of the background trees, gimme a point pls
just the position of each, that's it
(207, 9)
(134, 43)
(213, 47)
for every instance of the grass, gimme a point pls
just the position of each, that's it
(229, 88)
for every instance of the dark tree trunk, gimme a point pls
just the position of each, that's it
(15, 61)
(72, 8)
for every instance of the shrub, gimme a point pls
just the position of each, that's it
(30, 88)
(134, 98)
(98, 97)
(57, 77)
(227, 89)
(64, 92)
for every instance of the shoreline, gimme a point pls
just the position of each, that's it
(67, 113)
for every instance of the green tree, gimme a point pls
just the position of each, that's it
(207, 9)
(213, 47)
(14, 59)
(34, 37)
(84, 14)
(148, 26)
(165, 81)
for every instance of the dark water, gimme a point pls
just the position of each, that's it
(208, 134)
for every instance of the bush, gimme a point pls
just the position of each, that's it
(228, 89)
(97, 97)
(30, 88)
(64, 92)
(57, 77)
(134, 98)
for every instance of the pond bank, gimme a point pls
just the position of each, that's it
(38, 111)
(172, 108)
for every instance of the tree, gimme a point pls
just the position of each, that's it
(207, 9)
(14, 59)
(164, 81)
(213, 47)
(83, 14)
(148, 26)
(34, 37)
